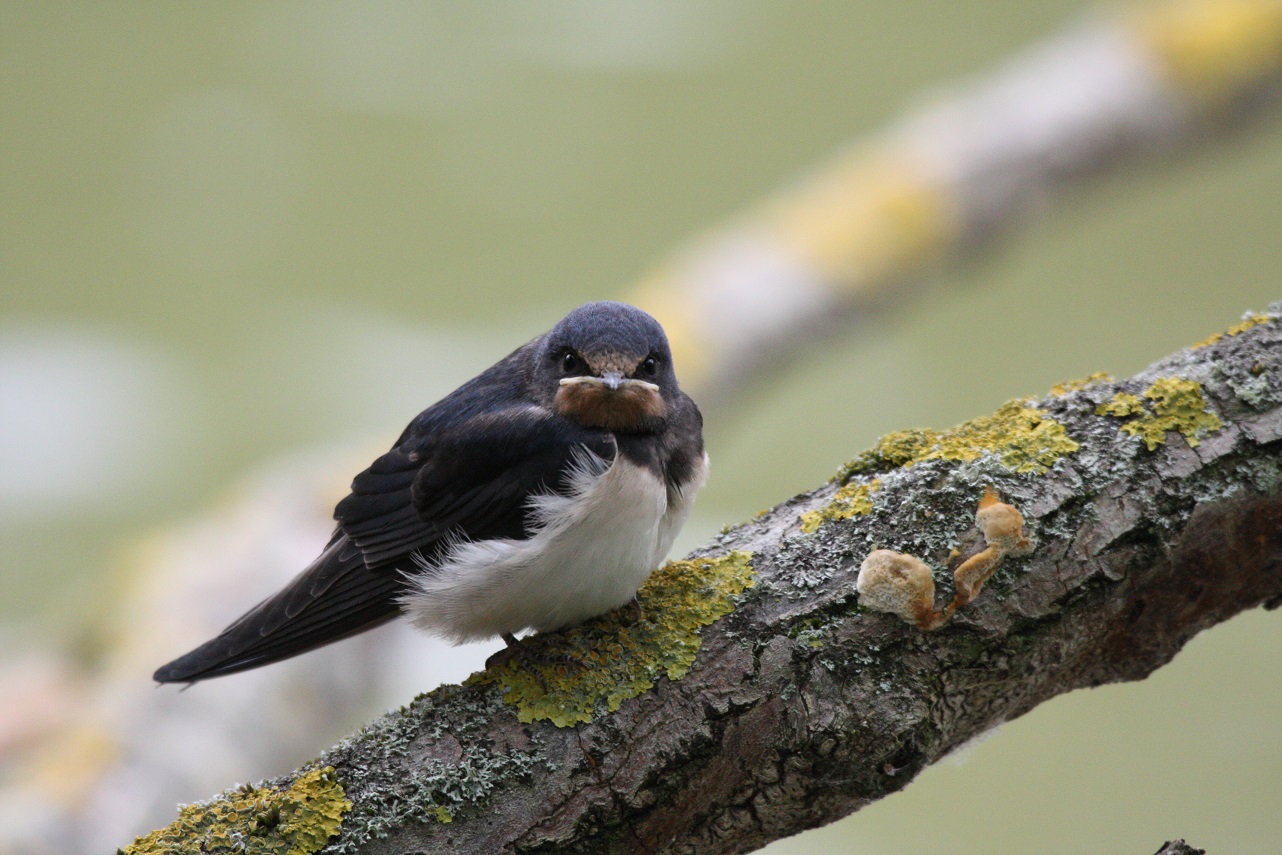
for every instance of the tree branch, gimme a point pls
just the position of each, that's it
(1155, 505)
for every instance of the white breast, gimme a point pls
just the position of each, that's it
(593, 549)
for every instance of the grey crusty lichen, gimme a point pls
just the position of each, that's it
(455, 766)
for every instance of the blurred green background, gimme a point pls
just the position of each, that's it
(232, 231)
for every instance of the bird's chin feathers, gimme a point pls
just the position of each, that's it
(631, 407)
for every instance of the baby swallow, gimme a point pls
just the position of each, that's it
(535, 496)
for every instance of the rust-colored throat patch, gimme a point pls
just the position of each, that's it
(592, 403)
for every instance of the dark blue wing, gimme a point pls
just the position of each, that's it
(473, 480)
(457, 471)
(335, 597)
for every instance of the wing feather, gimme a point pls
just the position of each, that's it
(473, 480)
(337, 596)
(451, 476)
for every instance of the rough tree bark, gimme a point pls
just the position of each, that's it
(1156, 509)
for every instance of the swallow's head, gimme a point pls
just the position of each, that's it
(608, 365)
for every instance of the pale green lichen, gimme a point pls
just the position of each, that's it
(612, 658)
(1177, 405)
(255, 821)
(851, 500)
(1257, 391)
(1237, 329)
(810, 631)
(1022, 438)
(422, 786)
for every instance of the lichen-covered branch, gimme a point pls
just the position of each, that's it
(755, 695)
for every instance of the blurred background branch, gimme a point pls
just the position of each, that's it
(258, 238)
(974, 163)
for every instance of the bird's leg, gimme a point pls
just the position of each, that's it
(631, 612)
(522, 649)
(527, 655)
(513, 648)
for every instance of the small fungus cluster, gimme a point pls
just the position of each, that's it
(903, 585)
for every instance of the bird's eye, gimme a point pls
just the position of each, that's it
(570, 363)
(650, 367)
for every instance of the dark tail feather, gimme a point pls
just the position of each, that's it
(336, 597)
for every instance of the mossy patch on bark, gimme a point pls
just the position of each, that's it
(617, 656)
(1175, 404)
(299, 820)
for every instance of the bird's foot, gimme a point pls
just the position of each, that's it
(631, 613)
(534, 659)
(512, 649)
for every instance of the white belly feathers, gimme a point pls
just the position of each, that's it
(593, 549)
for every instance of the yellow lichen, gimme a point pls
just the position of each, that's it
(1177, 405)
(1236, 329)
(1061, 389)
(1020, 436)
(611, 658)
(254, 820)
(1212, 50)
(1123, 405)
(870, 214)
(851, 500)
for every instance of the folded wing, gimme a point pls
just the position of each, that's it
(446, 479)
